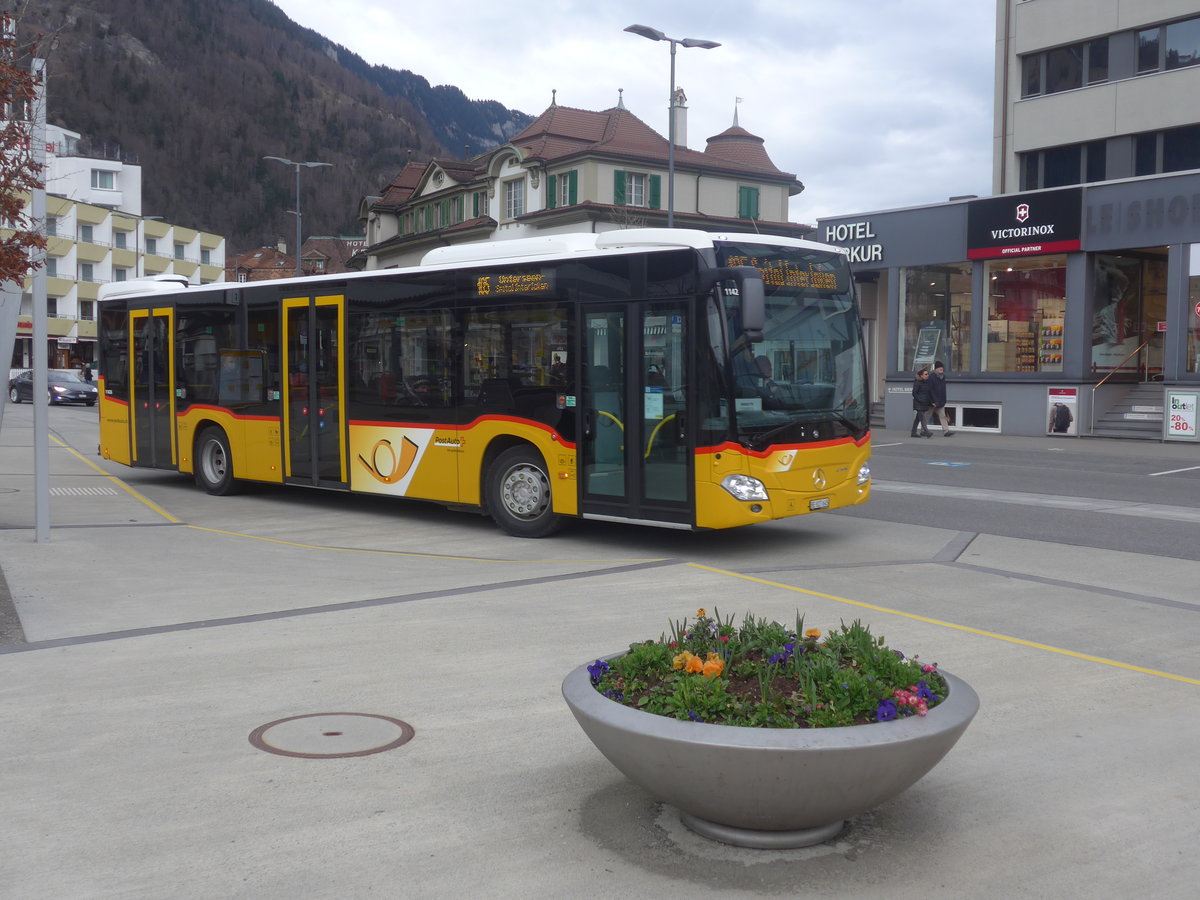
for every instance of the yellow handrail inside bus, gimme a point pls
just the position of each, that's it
(654, 434)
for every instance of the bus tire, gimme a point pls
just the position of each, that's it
(518, 494)
(214, 463)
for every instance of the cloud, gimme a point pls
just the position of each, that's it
(873, 104)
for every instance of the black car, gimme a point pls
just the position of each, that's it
(64, 386)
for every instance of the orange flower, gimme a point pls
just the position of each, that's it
(694, 664)
(681, 660)
(714, 666)
(700, 612)
(812, 633)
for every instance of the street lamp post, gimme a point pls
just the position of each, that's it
(654, 34)
(296, 211)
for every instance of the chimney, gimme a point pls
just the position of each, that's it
(281, 246)
(679, 116)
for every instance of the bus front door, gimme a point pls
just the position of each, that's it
(314, 392)
(151, 394)
(635, 456)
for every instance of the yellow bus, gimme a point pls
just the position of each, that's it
(658, 376)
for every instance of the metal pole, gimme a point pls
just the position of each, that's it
(297, 220)
(40, 398)
(671, 147)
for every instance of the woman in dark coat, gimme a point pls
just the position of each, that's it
(922, 403)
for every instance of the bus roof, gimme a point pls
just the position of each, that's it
(559, 246)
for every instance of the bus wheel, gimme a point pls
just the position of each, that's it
(518, 494)
(214, 463)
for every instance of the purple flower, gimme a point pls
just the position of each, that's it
(898, 653)
(693, 715)
(886, 711)
(597, 669)
(925, 693)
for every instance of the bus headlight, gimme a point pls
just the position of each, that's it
(864, 474)
(744, 487)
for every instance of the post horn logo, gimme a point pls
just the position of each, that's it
(1022, 212)
(386, 464)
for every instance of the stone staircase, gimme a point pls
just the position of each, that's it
(1138, 415)
(877, 414)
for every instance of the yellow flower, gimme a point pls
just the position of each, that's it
(700, 612)
(812, 633)
(681, 660)
(714, 667)
(694, 664)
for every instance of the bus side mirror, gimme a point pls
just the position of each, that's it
(753, 297)
(754, 302)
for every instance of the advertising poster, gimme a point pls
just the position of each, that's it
(1179, 419)
(1062, 411)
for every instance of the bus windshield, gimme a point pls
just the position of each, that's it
(806, 380)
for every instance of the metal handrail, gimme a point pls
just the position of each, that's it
(1100, 383)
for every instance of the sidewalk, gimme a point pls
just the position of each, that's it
(159, 638)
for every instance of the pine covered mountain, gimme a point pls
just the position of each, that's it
(198, 91)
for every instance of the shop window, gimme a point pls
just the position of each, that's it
(935, 317)
(1026, 314)
(1193, 331)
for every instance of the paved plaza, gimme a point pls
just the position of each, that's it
(193, 681)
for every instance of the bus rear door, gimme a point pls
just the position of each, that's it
(314, 392)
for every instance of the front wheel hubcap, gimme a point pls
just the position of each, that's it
(525, 492)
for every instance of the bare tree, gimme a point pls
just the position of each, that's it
(19, 173)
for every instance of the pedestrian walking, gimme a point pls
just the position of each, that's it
(937, 396)
(922, 403)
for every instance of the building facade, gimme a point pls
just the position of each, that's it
(96, 233)
(579, 170)
(1068, 302)
(1095, 90)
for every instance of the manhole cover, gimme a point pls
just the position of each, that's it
(331, 735)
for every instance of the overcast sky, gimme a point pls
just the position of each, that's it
(873, 104)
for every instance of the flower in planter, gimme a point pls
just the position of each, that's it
(764, 674)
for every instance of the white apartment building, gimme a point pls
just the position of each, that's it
(96, 234)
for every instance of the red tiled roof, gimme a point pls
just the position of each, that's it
(735, 144)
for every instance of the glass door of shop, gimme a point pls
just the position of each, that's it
(1129, 314)
(314, 392)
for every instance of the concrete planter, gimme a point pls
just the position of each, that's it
(769, 788)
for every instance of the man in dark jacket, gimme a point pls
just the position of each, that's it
(937, 396)
(922, 403)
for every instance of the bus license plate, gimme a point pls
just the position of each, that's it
(823, 503)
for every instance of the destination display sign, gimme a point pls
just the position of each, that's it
(514, 283)
(786, 273)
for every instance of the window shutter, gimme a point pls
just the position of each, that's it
(618, 188)
(552, 192)
(656, 192)
(573, 187)
(475, 205)
(445, 213)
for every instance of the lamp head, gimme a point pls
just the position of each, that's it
(699, 42)
(647, 32)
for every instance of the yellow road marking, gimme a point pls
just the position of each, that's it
(162, 512)
(118, 482)
(964, 628)
(486, 559)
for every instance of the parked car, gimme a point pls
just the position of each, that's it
(64, 386)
